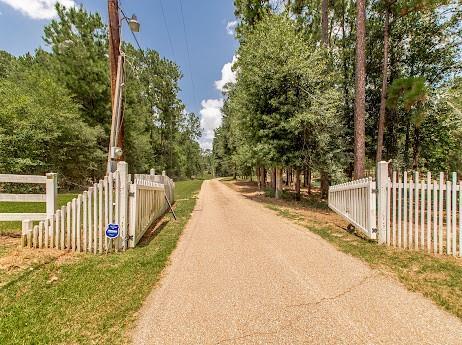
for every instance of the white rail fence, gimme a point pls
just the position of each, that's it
(413, 212)
(355, 201)
(81, 224)
(50, 197)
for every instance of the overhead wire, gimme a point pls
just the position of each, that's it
(166, 28)
(187, 52)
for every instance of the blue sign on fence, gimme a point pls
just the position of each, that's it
(112, 231)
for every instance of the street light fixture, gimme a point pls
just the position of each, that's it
(134, 24)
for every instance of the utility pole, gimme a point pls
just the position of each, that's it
(114, 53)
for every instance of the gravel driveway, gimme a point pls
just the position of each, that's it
(242, 275)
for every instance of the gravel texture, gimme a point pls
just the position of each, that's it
(242, 275)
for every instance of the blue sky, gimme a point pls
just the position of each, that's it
(207, 23)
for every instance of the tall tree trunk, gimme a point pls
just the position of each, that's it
(324, 184)
(416, 150)
(407, 144)
(383, 95)
(324, 23)
(297, 183)
(278, 193)
(263, 182)
(273, 178)
(360, 99)
(258, 171)
(304, 177)
(308, 179)
(346, 95)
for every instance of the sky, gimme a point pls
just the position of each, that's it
(202, 44)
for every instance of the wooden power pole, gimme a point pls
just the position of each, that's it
(114, 53)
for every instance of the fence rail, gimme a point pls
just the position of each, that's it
(50, 197)
(81, 224)
(355, 201)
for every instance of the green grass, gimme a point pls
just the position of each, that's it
(438, 278)
(93, 300)
(27, 207)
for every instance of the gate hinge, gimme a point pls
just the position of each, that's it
(374, 230)
(131, 194)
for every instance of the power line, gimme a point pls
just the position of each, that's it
(187, 51)
(166, 28)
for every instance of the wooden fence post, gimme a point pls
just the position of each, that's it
(152, 172)
(133, 216)
(382, 180)
(122, 168)
(51, 188)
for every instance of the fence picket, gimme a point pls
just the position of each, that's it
(448, 218)
(460, 218)
(58, 229)
(399, 213)
(417, 187)
(106, 210)
(394, 209)
(100, 216)
(454, 214)
(436, 239)
(74, 225)
(411, 206)
(429, 213)
(79, 229)
(68, 226)
(90, 219)
(440, 213)
(85, 221)
(405, 224)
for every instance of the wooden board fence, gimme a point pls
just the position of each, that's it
(50, 197)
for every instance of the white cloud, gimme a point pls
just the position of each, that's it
(38, 9)
(227, 75)
(210, 120)
(231, 27)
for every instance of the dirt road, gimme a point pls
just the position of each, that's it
(242, 275)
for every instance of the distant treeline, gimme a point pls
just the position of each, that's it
(55, 107)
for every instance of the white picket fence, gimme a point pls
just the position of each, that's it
(412, 212)
(81, 225)
(355, 201)
(50, 197)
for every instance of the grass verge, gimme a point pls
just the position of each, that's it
(94, 298)
(436, 277)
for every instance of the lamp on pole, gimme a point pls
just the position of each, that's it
(116, 64)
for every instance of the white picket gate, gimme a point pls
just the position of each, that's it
(80, 225)
(411, 212)
(149, 194)
(355, 201)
